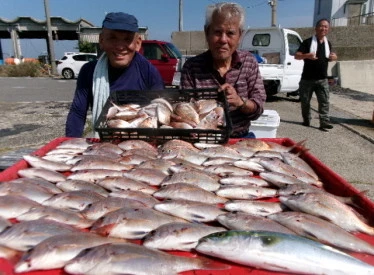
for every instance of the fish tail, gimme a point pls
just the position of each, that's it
(209, 264)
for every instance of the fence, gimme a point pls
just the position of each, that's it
(363, 19)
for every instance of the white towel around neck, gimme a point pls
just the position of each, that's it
(100, 88)
(314, 46)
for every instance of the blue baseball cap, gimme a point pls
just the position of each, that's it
(120, 21)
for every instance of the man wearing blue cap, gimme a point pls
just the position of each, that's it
(120, 67)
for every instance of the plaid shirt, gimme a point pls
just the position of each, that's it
(244, 76)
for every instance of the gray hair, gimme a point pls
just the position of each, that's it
(227, 10)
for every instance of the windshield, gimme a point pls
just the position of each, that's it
(173, 51)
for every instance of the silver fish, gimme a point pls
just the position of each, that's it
(43, 173)
(227, 170)
(280, 252)
(326, 232)
(51, 187)
(38, 162)
(76, 185)
(80, 143)
(243, 180)
(185, 154)
(160, 164)
(163, 114)
(25, 235)
(56, 251)
(187, 191)
(94, 175)
(109, 157)
(97, 209)
(280, 179)
(105, 148)
(87, 164)
(4, 223)
(329, 208)
(260, 208)
(218, 161)
(136, 144)
(192, 211)
(295, 161)
(134, 259)
(60, 215)
(11, 206)
(134, 159)
(131, 223)
(150, 176)
(249, 165)
(178, 236)
(123, 183)
(251, 143)
(144, 198)
(28, 190)
(245, 221)
(176, 144)
(73, 200)
(221, 151)
(197, 178)
(246, 192)
(145, 152)
(186, 110)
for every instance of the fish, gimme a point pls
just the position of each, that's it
(26, 234)
(144, 198)
(28, 190)
(105, 148)
(186, 111)
(144, 152)
(94, 175)
(329, 208)
(76, 185)
(185, 154)
(57, 251)
(51, 187)
(252, 143)
(135, 259)
(321, 230)
(87, 164)
(280, 179)
(280, 252)
(38, 162)
(134, 159)
(224, 170)
(176, 144)
(259, 208)
(152, 177)
(203, 106)
(136, 144)
(97, 209)
(277, 165)
(163, 114)
(297, 162)
(4, 223)
(218, 161)
(203, 145)
(249, 165)
(43, 173)
(163, 101)
(178, 236)
(12, 206)
(187, 191)
(60, 215)
(131, 222)
(198, 178)
(161, 164)
(118, 123)
(221, 151)
(71, 143)
(246, 192)
(73, 200)
(109, 157)
(244, 180)
(212, 120)
(248, 222)
(192, 211)
(123, 183)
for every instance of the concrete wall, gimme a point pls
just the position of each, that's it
(357, 75)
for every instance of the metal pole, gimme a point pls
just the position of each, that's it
(51, 51)
(180, 15)
(273, 4)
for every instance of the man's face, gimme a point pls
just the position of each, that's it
(223, 37)
(322, 29)
(120, 46)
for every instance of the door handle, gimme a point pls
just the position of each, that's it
(289, 63)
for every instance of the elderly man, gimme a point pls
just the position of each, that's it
(120, 67)
(225, 67)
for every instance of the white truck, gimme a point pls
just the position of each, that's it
(275, 49)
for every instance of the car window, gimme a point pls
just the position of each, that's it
(294, 43)
(261, 39)
(173, 50)
(152, 51)
(90, 57)
(80, 57)
(64, 57)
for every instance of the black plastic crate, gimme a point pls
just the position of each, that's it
(161, 135)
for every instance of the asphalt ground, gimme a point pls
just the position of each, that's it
(33, 113)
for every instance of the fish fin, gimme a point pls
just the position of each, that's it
(103, 230)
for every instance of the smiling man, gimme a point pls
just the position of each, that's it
(226, 68)
(120, 67)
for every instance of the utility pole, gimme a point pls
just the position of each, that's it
(51, 50)
(273, 5)
(180, 15)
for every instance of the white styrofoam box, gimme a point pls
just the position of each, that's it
(266, 125)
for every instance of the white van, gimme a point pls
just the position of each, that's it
(275, 49)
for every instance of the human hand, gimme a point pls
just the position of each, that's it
(333, 56)
(231, 95)
(311, 56)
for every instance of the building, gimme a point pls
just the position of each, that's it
(345, 12)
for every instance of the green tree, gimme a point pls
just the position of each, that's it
(86, 47)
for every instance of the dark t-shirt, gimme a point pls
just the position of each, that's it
(314, 69)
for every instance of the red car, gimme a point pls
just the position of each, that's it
(165, 56)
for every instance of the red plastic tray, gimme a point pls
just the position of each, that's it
(333, 183)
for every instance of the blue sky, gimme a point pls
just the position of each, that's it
(160, 16)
